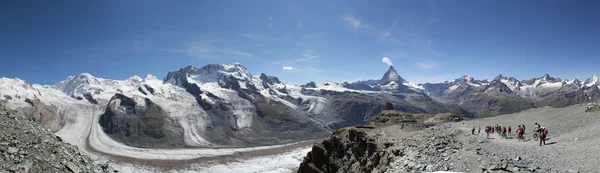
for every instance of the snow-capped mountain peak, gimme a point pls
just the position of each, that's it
(133, 80)
(150, 77)
(465, 79)
(548, 78)
(209, 73)
(391, 75)
(592, 81)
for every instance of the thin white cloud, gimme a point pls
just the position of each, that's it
(353, 22)
(387, 61)
(288, 68)
(384, 35)
(311, 69)
(208, 50)
(307, 56)
(427, 65)
(255, 37)
(236, 53)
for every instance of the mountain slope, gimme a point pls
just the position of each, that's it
(508, 95)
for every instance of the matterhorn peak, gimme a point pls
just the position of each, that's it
(391, 75)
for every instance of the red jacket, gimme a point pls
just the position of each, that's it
(545, 132)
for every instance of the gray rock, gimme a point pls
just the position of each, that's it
(429, 168)
(12, 150)
(102, 163)
(72, 167)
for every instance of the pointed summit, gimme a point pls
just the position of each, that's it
(499, 77)
(546, 76)
(391, 75)
(592, 81)
(467, 78)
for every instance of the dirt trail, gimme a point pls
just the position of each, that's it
(572, 140)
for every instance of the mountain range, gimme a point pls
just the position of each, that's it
(224, 105)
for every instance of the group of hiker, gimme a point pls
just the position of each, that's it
(506, 132)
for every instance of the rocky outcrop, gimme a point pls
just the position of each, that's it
(140, 125)
(592, 108)
(27, 146)
(348, 150)
(48, 115)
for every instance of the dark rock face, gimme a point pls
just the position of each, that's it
(348, 150)
(142, 90)
(391, 75)
(571, 97)
(150, 89)
(273, 123)
(269, 79)
(493, 99)
(388, 106)
(136, 125)
(309, 85)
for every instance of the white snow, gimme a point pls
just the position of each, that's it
(316, 103)
(392, 85)
(592, 81)
(453, 87)
(280, 163)
(332, 86)
(414, 86)
(551, 85)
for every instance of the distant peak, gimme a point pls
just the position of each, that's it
(149, 76)
(82, 75)
(467, 77)
(546, 76)
(499, 77)
(135, 77)
(133, 80)
(391, 75)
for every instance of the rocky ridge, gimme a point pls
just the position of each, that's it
(27, 146)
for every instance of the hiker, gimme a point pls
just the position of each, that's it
(520, 132)
(473, 130)
(509, 130)
(487, 131)
(492, 129)
(478, 129)
(499, 129)
(543, 134)
(503, 131)
(538, 127)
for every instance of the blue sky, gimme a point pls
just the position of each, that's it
(301, 41)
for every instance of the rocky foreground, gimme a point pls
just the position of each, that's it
(27, 146)
(411, 144)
